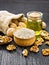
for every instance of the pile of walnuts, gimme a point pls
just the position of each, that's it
(44, 36)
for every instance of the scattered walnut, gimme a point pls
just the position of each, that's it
(25, 52)
(45, 51)
(34, 49)
(39, 41)
(5, 39)
(46, 37)
(11, 47)
(43, 25)
(47, 43)
(44, 33)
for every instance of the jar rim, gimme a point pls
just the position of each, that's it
(37, 14)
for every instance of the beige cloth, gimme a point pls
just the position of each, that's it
(5, 19)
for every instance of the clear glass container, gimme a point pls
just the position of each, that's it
(34, 20)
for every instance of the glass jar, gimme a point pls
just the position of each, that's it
(34, 20)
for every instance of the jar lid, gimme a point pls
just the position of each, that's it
(35, 14)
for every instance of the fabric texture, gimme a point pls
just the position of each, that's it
(5, 19)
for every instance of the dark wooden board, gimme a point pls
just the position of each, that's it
(15, 57)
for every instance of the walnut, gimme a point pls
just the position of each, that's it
(44, 33)
(5, 39)
(43, 25)
(13, 25)
(21, 24)
(34, 49)
(25, 52)
(46, 37)
(39, 41)
(10, 32)
(45, 51)
(11, 47)
(47, 43)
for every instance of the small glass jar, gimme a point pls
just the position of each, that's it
(34, 20)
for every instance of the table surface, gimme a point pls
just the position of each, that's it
(15, 57)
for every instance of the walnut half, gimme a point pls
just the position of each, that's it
(25, 52)
(34, 49)
(11, 47)
(45, 51)
(39, 41)
(47, 43)
(44, 33)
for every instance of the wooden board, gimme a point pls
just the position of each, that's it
(15, 57)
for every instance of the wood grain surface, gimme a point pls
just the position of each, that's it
(15, 57)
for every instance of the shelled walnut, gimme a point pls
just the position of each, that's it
(21, 24)
(25, 52)
(13, 25)
(34, 49)
(10, 32)
(11, 47)
(44, 33)
(47, 42)
(45, 51)
(39, 41)
(46, 37)
(5, 39)
(43, 25)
